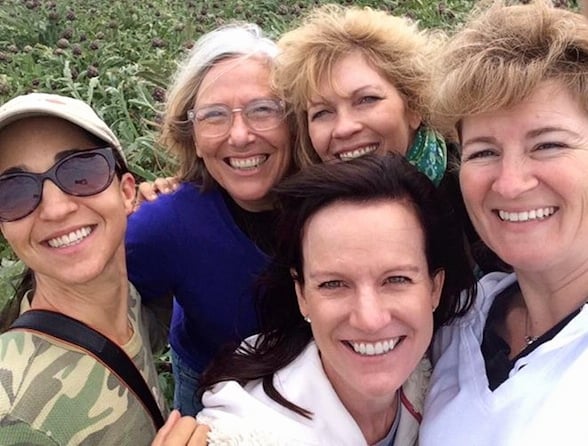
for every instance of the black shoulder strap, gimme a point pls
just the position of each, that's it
(97, 345)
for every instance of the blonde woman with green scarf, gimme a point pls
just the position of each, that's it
(358, 82)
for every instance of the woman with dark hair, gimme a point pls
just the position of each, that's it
(65, 193)
(368, 263)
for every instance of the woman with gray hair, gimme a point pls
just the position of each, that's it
(205, 243)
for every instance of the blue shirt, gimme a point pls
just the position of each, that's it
(187, 244)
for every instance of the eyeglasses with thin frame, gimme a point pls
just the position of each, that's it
(82, 174)
(216, 120)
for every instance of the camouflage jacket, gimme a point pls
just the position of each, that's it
(53, 394)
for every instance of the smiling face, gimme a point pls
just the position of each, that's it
(369, 295)
(358, 112)
(524, 181)
(66, 239)
(245, 162)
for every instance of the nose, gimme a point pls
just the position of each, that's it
(369, 313)
(240, 135)
(515, 177)
(55, 204)
(346, 124)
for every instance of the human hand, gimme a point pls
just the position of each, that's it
(150, 190)
(181, 431)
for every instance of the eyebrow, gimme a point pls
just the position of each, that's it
(222, 104)
(529, 135)
(21, 168)
(540, 131)
(484, 139)
(394, 270)
(353, 93)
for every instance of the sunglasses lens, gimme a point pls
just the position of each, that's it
(19, 196)
(82, 175)
(85, 174)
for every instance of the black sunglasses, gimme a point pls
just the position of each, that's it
(82, 174)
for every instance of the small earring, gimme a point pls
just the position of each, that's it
(307, 319)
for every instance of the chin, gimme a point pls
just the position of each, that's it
(81, 275)
(381, 385)
(528, 261)
(386, 391)
(253, 202)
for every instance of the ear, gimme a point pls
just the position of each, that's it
(302, 303)
(128, 192)
(414, 119)
(438, 280)
(196, 145)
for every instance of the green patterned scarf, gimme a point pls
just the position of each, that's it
(428, 154)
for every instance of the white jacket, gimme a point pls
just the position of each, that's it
(247, 416)
(542, 403)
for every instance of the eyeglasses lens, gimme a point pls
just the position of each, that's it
(259, 115)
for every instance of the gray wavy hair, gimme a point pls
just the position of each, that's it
(240, 40)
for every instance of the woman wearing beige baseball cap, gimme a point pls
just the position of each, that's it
(69, 232)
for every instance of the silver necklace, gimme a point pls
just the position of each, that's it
(528, 338)
(531, 339)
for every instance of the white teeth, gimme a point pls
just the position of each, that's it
(346, 156)
(373, 349)
(541, 213)
(70, 239)
(534, 214)
(248, 163)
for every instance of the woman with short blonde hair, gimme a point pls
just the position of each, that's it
(512, 87)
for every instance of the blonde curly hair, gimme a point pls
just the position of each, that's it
(393, 46)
